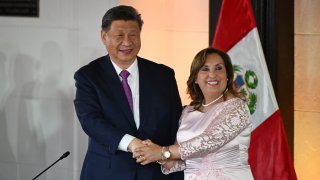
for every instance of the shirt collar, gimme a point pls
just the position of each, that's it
(132, 69)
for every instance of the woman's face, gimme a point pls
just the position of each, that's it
(212, 77)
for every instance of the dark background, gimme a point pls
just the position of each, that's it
(19, 8)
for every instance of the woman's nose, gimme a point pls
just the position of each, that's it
(212, 73)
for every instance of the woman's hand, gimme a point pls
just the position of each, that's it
(169, 164)
(147, 154)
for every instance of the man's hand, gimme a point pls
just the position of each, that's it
(147, 154)
(135, 143)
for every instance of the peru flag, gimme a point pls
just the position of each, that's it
(237, 34)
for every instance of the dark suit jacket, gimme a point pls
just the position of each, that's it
(105, 116)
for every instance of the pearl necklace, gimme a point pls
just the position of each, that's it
(215, 100)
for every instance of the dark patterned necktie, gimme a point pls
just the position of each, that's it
(124, 74)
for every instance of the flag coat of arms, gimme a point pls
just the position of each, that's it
(236, 33)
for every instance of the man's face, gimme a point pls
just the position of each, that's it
(122, 42)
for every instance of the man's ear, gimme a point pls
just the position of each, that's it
(103, 36)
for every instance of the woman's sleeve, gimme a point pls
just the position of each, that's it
(230, 122)
(179, 165)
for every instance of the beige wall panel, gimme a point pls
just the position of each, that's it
(307, 66)
(168, 15)
(307, 98)
(307, 145)
(187, 15)
(307, 17)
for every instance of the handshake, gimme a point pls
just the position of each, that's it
(146, 152)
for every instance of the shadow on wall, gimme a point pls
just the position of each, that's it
(36, 115)
(7, 157)
(25, 142)
(55, 108)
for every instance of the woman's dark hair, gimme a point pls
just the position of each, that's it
(198, 62)
(126, 13)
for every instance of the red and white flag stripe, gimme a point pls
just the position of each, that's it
(236, 33)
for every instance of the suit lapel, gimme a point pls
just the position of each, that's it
(145, 83)
(116, 89)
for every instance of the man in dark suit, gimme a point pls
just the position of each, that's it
(122, 99)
